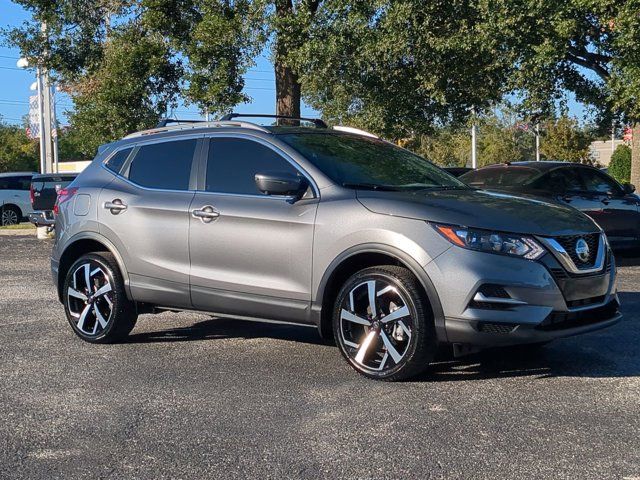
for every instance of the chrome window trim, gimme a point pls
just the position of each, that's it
(266, 143)
(564, 258)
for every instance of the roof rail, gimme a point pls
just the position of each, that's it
(357, 131)
(316, 121)
(193, 125)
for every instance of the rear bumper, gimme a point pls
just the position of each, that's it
(42, 218)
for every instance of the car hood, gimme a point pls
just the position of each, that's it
(481, 209)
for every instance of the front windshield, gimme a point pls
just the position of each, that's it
(356, 161)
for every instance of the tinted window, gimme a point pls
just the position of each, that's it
(501, 177)
(233, 164)
(22, 182)
(359, 161)
(165, 165)
(561, 180)
(597, 182)
(116, 162)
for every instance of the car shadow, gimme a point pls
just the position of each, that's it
(612, 352)
(221, 328)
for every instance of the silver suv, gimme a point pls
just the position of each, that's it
(381, 250)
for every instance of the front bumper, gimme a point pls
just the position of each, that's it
(545, 302)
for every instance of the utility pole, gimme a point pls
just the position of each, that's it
(41, 108)
(613, 136)
(474, 148)
(537, 141)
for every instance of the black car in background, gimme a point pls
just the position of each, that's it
(613, 206)
(44, 192)
(458, 171)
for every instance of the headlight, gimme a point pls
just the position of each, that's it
(491, 242)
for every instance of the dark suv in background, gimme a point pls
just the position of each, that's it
(44, 193)
(613, 206)
(380, 249)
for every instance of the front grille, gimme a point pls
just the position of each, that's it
(564, 320)
(569, 244)
(489, 327)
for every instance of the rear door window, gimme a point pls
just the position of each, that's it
(22, 182)
(165, 165)
(233, 163)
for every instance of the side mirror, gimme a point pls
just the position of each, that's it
(281, 183)
(628, 189)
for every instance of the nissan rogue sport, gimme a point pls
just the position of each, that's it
(381, 250)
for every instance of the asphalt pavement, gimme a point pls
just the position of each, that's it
(191, 396)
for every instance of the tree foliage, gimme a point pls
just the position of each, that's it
(620, 166)
(564, 140)
(17, 151)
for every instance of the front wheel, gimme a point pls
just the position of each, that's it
(95, 301)
(383, 324)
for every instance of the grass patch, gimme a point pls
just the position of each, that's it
(20, 226)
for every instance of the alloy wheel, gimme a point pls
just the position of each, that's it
(9, 216)
(376, 325)
(90, 298)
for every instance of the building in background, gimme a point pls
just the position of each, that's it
(600, 151)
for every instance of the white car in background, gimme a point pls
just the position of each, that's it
(15, 200)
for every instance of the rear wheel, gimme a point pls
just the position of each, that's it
(10, 215)
(383, 325)
(96, 304)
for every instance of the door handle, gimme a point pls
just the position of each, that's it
(115, 207)
(606, 201)
(206, 214)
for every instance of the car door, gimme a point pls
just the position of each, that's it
(18, 193)
(617, 212)
(253, 257)
(144, 211)
(566, 186)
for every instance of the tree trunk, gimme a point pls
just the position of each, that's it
(635, 156)
(287, 93)
(287, 82)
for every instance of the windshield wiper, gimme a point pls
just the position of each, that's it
(371, 186)
(447, 187)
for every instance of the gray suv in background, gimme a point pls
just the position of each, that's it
(381, 250)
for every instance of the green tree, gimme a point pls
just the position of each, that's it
(563, 139)
(401, 68)
(17, 151)
(620, 166)
(589, 48)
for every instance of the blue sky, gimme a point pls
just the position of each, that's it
(15, 83)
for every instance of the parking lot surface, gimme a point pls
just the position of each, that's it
(191, 396)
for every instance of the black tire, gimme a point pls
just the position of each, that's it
(11, 215)
(417, 351)
(122, 314)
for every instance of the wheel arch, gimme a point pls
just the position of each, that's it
(16, 207)
(88, 243)
(362, 256)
